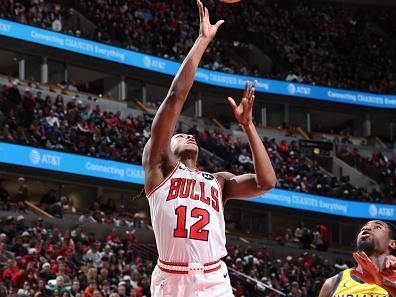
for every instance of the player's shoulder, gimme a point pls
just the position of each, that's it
(332, 280)
(224, 175)
(330, 285)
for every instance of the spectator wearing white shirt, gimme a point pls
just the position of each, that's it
(244, 159)
(86, 218)
(52, 119)
(94, 254)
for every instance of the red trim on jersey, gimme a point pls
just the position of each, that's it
(183, 264)
(165, 180)
(172, 271)
(179, 264)
(211, 263)
(213, 269)
(220, 191)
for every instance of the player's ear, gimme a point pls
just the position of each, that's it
(392, 247)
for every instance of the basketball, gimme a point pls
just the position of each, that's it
(229, 1)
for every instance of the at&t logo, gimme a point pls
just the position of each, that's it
(34, 157)
(373, 211)
(147, 62)
(291, 88)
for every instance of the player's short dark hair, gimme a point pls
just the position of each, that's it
(392, 230)
(392, 235)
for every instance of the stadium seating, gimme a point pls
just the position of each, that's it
(315, 44)
(37, 259)
(102, 255)
(83, 128)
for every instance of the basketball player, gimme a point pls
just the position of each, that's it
(187, 205)
(376, 245)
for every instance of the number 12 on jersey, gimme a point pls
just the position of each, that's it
(196, 231)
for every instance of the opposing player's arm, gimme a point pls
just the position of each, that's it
(156, 155)
(390, 287)
(264, 179)
(328, 287)
(371, 274)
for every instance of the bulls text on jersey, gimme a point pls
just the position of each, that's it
(185, 188)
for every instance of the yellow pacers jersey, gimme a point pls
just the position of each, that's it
(349, 285)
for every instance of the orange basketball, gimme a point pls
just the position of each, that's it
(229, 1)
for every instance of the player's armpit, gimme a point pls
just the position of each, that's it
(156, 170)
(243, 186)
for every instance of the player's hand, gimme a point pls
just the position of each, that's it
(390, 262)
(206, 29)
(370, 272)
(389, 271)
(243, 111)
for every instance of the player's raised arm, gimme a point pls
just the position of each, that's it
(157, 158)
(264, 179)
(371, 274)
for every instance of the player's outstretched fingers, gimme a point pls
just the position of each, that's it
(251, 103)
(219, 23)
(232, 103)
(389, 275)
(246, 90)
(390, 262)
(357, 273)
(200, 9)
(207, 14)
(361, 258)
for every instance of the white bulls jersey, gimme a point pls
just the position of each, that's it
(188, 217)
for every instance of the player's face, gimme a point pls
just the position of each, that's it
(374, 237)
(183, 142)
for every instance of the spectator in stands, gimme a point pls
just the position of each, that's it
(94, 254)
(68, 207)
(339, 55)
(48, 199)
(112, 270)
(45, 272)
(20, 223)
(109, 205)
(5, 197)
(56, 209)
(5, 254)
(86, 218)
(76, 288)
(244, 159)
(298, 233)
(58, 286)
(22, 195)
(324, 234)
(104, 139)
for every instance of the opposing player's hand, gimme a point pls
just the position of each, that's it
(243, 111)
(390, 262)
(370, 272)
(389, 271)
(206, 29)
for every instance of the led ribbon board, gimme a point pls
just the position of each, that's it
(128, 173)
(164, 66)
